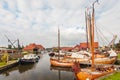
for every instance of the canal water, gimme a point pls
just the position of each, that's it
(38, 71)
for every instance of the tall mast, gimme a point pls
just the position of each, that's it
(86, 20)
(58, 43)
(92, 50)
(92, 29)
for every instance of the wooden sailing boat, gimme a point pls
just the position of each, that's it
(60, 62)
(98, 58)
(91, 73)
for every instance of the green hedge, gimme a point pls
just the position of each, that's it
(115, 76)
(119, 56)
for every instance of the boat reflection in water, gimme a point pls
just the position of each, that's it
(19, 68)
(23, 68)
(38, 71)
(60, 70)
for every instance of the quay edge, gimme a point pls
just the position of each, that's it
(6, 67)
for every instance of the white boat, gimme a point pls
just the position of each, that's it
(29, 58)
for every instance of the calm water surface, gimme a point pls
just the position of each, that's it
(39, 71)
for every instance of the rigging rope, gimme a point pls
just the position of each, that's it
(100, 35)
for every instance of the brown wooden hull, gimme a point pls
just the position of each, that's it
(91, 74)
(77, 59)
(105, 61)
(57, 63)
(87, 75)
(99, 56)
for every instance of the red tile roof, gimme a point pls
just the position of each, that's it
(84, 45)
(66, 48)
(32, 46)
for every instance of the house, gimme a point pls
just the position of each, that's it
(84, 46)
(63, 49)
(4, 49)
(76, 48)
(34, 48)
(66, 49)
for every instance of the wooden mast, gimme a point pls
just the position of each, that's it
(92, 37)
(89, 30)
(86, 20)
(58, 43)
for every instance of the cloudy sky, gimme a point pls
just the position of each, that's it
(37, 21)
